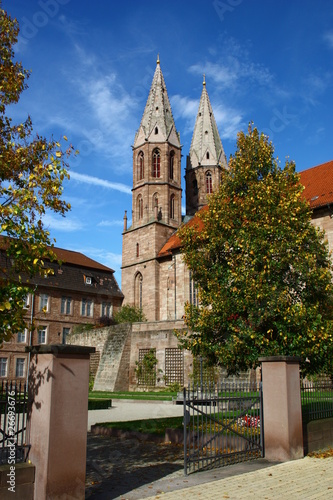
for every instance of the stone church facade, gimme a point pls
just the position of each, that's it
(154, 277)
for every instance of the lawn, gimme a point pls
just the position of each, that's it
(149, 395)
(156, 426)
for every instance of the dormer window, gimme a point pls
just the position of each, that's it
(207, 155)
(88, 280)
(156, 130)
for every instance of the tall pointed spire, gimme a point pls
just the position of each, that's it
(206, 158)
(157, 123)
(206, 138)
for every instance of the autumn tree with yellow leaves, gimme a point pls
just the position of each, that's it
(32, 171)
(262, 269)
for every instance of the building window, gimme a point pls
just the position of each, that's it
(194, 300)
(44, 302)
(26, 300)
(65, 331)
(141, 170)
(87, 307)
(106, 310)
(137, 250)
(3, 367)
(19, 369)
(172, 206)
(207, 155)
(140, 207)
(156, 130)
(171, 164)
(209, 183)
(156, 164)
(22, 337)
(42, 334)
(66, 305)
(138, 290)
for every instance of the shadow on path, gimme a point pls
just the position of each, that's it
(116, 466)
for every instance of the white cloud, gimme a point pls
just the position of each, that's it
(88, 179)
(110, 223)
(328, 38)
(62, 223)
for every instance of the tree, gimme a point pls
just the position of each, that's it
(129, 314)
(32, 171)
(262, 269)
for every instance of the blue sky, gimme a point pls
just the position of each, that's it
(92, 64)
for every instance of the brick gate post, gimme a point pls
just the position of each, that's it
(282, 409)
(58, 418)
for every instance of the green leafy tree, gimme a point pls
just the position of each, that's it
(32, 171)
(262, 269)
(129, 314)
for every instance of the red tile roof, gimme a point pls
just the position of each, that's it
(69, 257)
(318, 184)
(173, 242)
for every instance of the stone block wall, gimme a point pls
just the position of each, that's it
(318, 435)
(23, 479)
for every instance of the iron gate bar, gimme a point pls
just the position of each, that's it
(225, 426)
(220, 423)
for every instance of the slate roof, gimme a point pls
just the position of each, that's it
(318, 184)
(206, 137)
(158, 114)
(72, 273)
(318, 191)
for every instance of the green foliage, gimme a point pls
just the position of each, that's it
(146, 368)
(85, 327)
(32, 170)
(129, 314)
(262, 269)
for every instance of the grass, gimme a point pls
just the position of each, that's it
(156, 426)
(149, 395)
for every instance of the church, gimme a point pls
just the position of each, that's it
(154, 277)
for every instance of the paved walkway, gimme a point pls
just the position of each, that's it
(305, 479)
(125, 410)
(129, 470)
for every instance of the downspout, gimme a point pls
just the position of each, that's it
(30, 333)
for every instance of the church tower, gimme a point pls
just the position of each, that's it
(206, 158)
(156, 199)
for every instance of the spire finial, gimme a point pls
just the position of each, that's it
(204, 80)
(158, 59)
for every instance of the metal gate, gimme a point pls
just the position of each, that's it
(222, 424)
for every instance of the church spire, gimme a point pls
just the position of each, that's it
(206, 138)
(157, 123)
(206, 158)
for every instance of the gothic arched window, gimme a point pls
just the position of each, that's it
(139, 207)
(138, 290)
(141, 168)
(172, 206)
(171, 164)
(209, 183)
(156, 163)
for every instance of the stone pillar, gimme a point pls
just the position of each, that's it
(58, 418)
(282, 410)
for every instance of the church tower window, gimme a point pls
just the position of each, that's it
(156, 164)
(141, 170)
(172, 206)
(209, 183)
(137, 250)
(171, 164)
(138, 290)
(140, 207)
